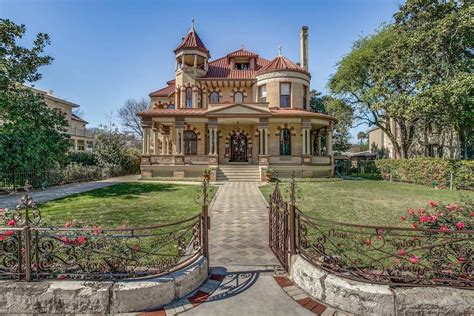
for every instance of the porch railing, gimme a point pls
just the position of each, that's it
(31, 250)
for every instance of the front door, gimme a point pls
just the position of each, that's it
(238, 148)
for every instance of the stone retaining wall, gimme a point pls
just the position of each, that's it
(374, 299)
(78, 297)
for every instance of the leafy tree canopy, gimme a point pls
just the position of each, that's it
(413, 73)
(31, 135)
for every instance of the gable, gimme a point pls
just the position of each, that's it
(240, 109)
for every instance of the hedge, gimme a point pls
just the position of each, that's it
(429, 171)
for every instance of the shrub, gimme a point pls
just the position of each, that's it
(429, 171)
(83, 158)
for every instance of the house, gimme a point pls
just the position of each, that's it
(237, 114)
(81, 139)
(427, 142)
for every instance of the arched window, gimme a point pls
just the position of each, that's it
(214, 97)
(238, 97)
(189, 97)
(285, 142)
(190, 142)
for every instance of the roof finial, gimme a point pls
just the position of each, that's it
(279, 50)
(192, 24)
(242, 46)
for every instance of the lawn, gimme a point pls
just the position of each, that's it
(130, 204)
(367, 201)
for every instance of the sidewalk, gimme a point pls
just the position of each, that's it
(57, 192)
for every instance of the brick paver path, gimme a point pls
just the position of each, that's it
(239, 227)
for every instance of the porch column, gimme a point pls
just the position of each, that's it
(319, 145)
(260, 148)
(167, 149)
(329, 142)
(163, 145)
(204, 98)
(304, 142)
(210, 141)
(178, 141)
(265, 141)
(182, 141)
(215, 141)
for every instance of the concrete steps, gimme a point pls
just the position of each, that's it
(238, 173)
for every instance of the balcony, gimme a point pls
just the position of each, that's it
(83, 132)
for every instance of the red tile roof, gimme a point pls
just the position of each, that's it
(192, 41)
(165, 92)
(281, 63)
(220, 68)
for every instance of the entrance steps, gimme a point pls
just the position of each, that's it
(238, 173)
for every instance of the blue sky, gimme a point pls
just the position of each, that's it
(107, 51)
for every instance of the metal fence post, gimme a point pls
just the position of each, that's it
(292, 223)
(205, 222)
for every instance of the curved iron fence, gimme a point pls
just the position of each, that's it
(30, 251)
(388, 255)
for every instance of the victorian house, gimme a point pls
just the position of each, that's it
(237, 115)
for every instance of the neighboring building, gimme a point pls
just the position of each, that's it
(427, 142)
(81, 139)
(239, 109)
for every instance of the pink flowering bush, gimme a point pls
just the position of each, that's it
(442, 217)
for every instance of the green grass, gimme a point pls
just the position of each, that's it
(132, 204)
(366, 201)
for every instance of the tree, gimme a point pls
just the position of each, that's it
(361, 136)
(128, 115)
(111, 148)
(413, 73)
(31, 135)
(341, 111)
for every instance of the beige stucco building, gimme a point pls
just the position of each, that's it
(237, 114)
(81, 139)
(427, 142)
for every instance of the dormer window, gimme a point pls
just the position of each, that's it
(242, 66)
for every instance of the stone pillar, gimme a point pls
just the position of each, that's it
(304, 142)
(182, 61)
(210, 141)
(215, 141)
(319, 144)
(75, 145)
(265, 138)
(329, 142)
(167, 150)
(261, 150)
(164, 143)
(308, 140)
(195, 61)
(153, 141)
(178, 142)
(204, 98)
(195, 95)
(183, 97)
(182, 141)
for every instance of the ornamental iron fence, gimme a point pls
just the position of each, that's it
(394, 256)
(30, 250)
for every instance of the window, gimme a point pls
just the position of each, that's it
(170, 106)
(285, 89)
(305, 97)
(214, 97)
(189, 97)
(262, 93)
(238, 97)
(285, 142)
(190, 142)
(242, 66)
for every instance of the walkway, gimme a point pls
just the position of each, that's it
(57, 192)
(239, 247)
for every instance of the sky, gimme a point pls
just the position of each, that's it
(107, 51)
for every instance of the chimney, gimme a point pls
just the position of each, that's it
(304, 48)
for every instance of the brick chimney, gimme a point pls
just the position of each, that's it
(304, 48)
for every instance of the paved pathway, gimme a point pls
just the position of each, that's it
(239, 246)
(58, 192)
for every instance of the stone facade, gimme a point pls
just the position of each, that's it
(241, 109)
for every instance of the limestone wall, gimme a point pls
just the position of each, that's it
(80, 297)
(362, 298)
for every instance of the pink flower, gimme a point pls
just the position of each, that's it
(411, 211)
(80, 240)
(414, 259)
(1, 209)
(65, 240)
(11, 222)
(444, 228)
(68, 224)
(461, 260)
(402, 252)
(425, 219)
(2, 237)
(403, 218)
(61, 276)
(433, 203)
(434, 218)
(413, 225)
(472, 214)
(451, 207)
(95, 230)
(460, 225)
(367, 242)
(379, 237)
(9, 232)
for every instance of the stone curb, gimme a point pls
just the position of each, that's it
(302, 298)
(196, 298)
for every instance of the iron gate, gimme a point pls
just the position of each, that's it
(278, 226)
